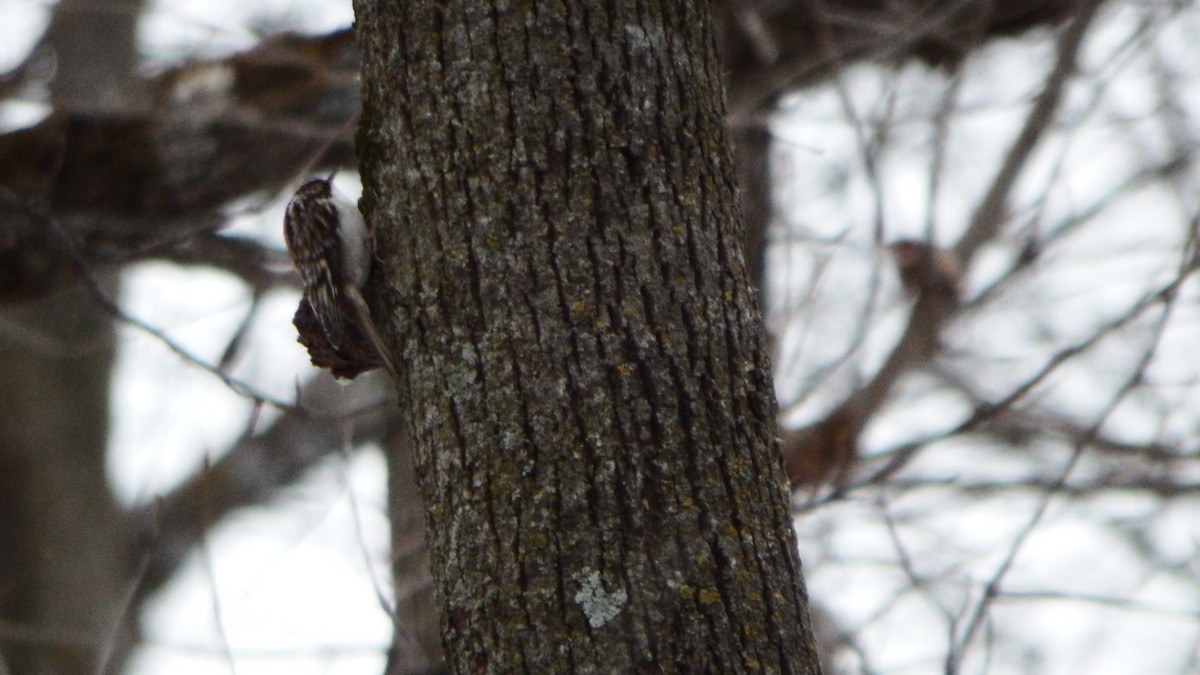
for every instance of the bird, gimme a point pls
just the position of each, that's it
(332, 249)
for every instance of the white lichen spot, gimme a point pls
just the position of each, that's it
(598, 605)
(637, 36)
(644, 38)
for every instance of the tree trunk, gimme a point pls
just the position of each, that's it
(583, 364)
(64, 563)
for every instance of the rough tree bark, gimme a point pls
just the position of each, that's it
(584, 371)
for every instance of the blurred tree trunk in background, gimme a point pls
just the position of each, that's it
(585, 378)
(64, 564)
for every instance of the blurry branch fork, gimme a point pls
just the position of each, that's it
(828, 449)
(142, 182)
(773, 48)
(770, 49)
(251, 471)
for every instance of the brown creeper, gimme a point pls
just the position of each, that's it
(331, 247)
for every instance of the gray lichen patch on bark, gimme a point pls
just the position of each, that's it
(599, 604)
